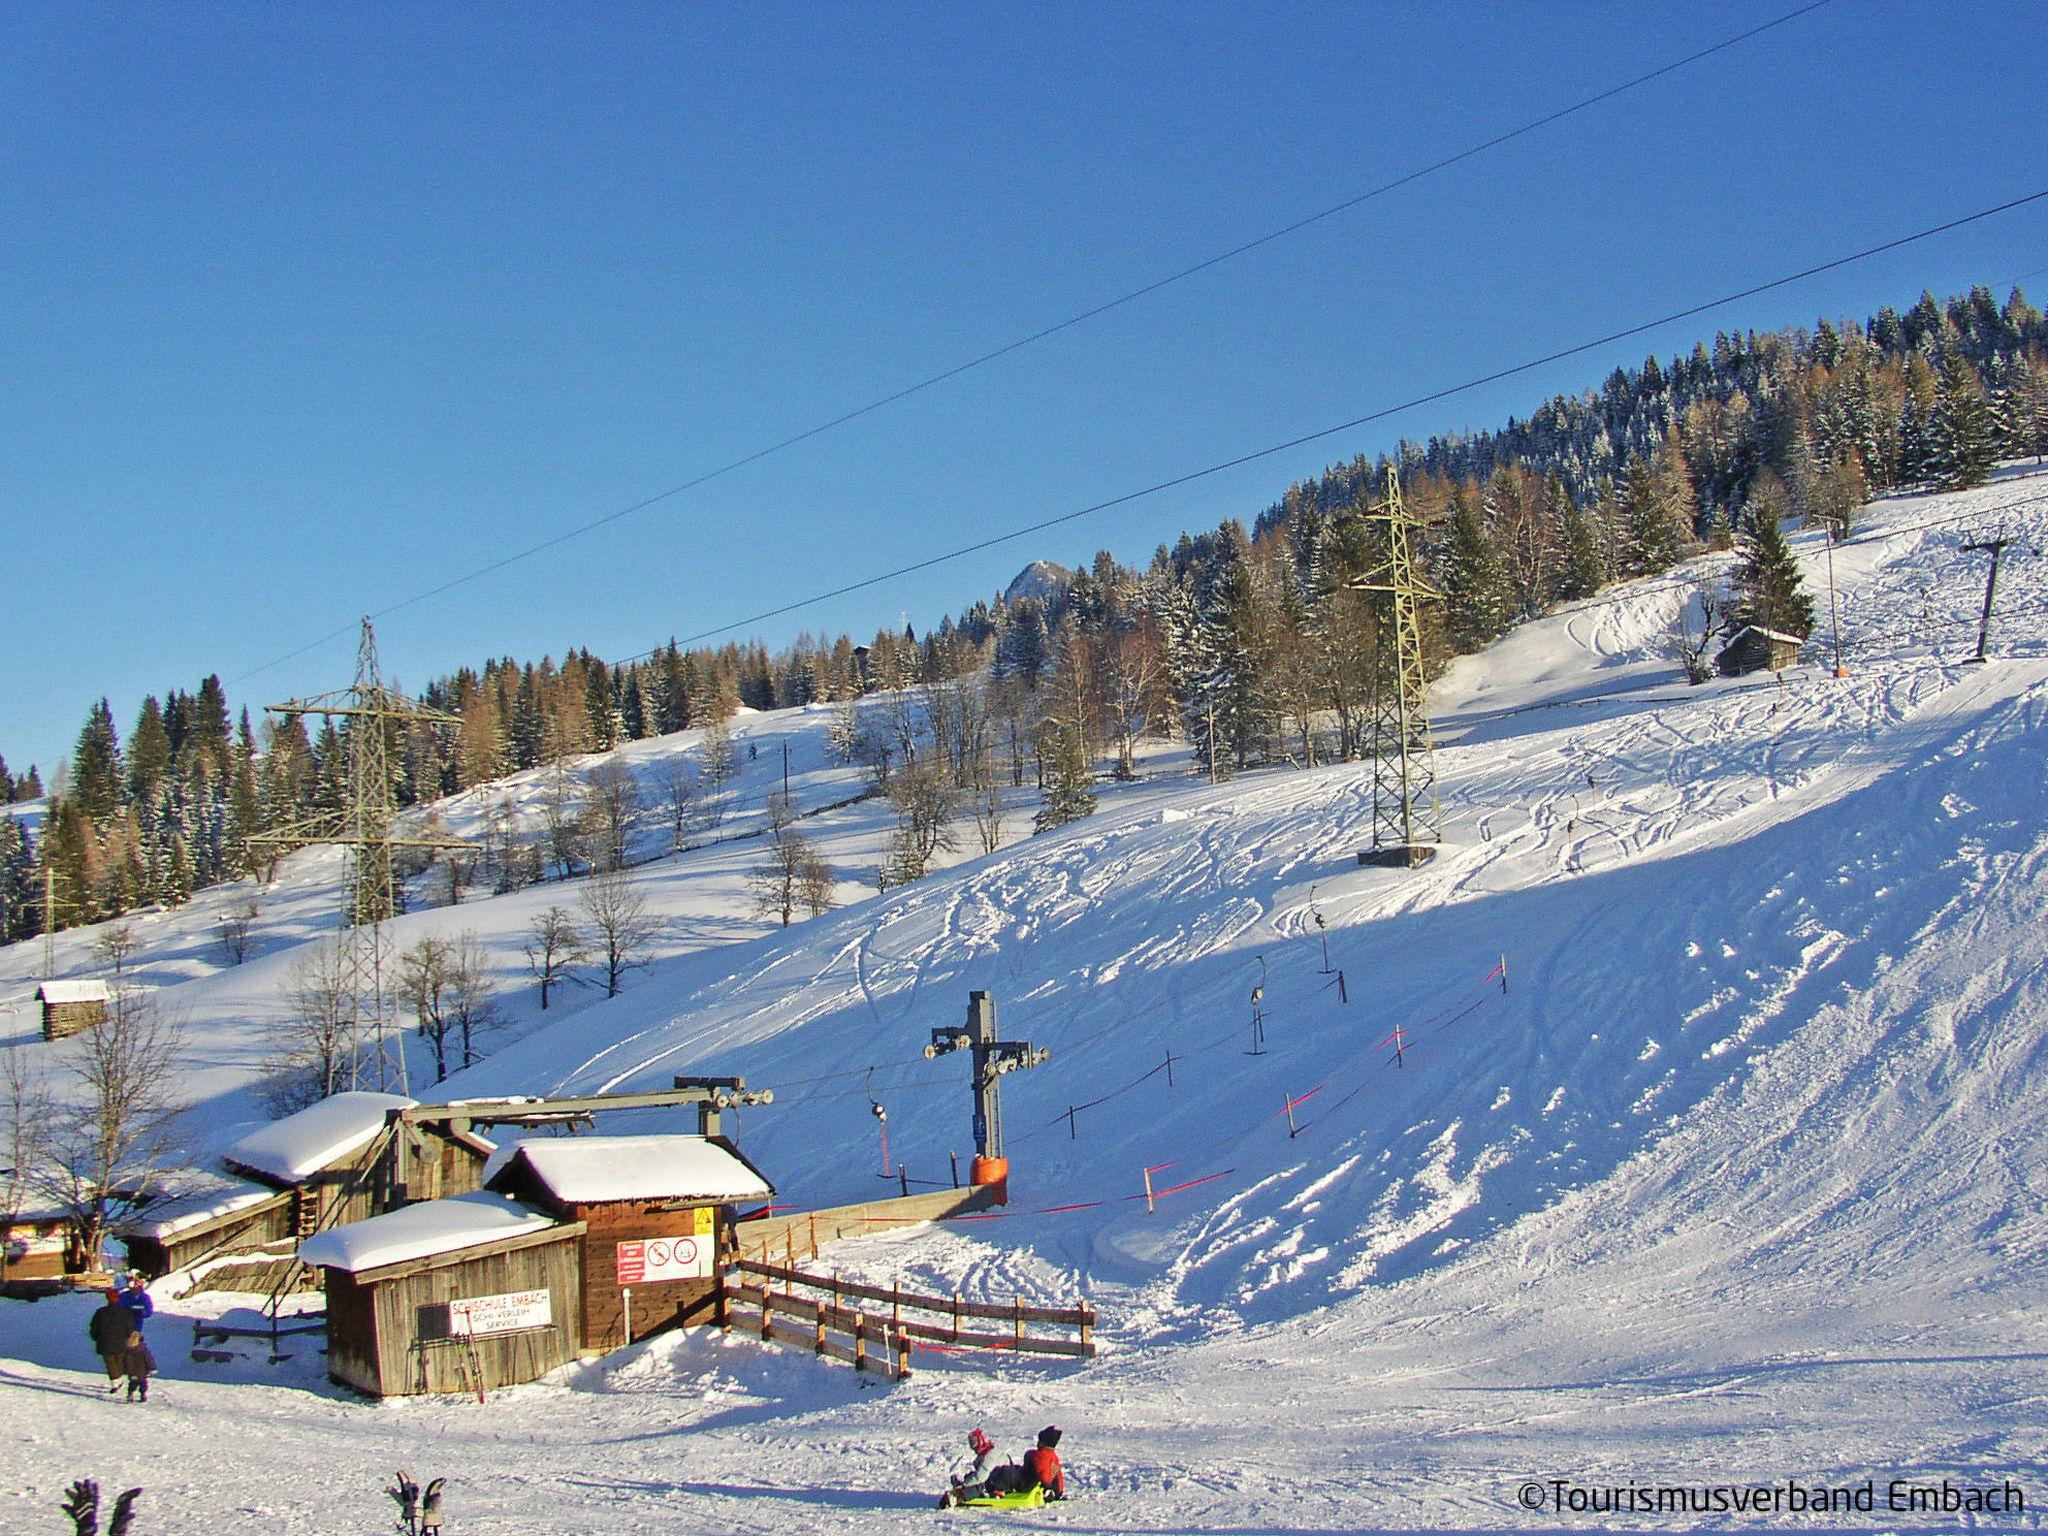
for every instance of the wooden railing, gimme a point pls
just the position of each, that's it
(754, 1304)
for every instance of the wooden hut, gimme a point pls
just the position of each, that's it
(657, 1214)
(71, 1006)
(324, 1166)
(1753, 648)
(37, 1245)
(455, 1295)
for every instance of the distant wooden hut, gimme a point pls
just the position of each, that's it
(37, 1246)
(657, 1215)
(1753, 648)
(226, 1219)
(456, 1295)
(71, 1006)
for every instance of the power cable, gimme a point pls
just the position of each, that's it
(1357, 421)
(1093, 313)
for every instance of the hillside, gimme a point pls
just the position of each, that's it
(1734, 1174)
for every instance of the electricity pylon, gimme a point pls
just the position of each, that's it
(372, 715)
(1407, 826)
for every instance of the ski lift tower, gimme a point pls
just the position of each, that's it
(373, 717)
(1407, 824)
(992, 1059)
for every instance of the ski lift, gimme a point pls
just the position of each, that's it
(881, 1114)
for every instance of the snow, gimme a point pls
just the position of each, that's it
(1738, 1180)
(196, 1207)
(300, 1145)
(72, 992)
(591, 1169)
(422, 1231)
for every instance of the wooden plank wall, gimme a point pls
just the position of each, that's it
(397, 1360)
(666, 1304)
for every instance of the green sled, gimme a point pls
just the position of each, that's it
(1031, 1498)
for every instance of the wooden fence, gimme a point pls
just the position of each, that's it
(824, 1313)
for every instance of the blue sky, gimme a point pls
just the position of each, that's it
(305, 311)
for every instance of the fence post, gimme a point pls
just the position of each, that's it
(1087, 1322)
(1148, 1192)
(955, 1156)
(896, 1306)
(903, 1179)
(956, 1317)
(1020, 1323)
(860, 1342)
(767, 1303)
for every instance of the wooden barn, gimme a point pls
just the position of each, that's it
(327, 1165)
(456, 1295)
(71, 1006)
(657, 1216)
(1753, 648)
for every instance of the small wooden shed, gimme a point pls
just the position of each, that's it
(657, 1214)
(71, 1006)
(456, 1295)
(37, 1245)
(1753, 648)
(224, 1217)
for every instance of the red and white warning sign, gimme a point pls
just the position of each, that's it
(646, 1260)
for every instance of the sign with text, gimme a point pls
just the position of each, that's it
(646, 1260)
(512, 1312)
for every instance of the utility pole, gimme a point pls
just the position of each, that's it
(1834, 602)
(372, 715)
(992, 1059)
(1996, 549)
(49, 917)
(785, 773)
(1407, 822)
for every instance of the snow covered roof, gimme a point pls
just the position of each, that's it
(183, 1213)
(584, 1170)
(1769, 634)
(300, 1145)
(423, 1231)
(72, 992)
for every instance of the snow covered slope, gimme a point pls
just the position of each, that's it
(1733, 1174)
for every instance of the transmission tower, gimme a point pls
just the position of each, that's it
(1407, 826)
(372, 717)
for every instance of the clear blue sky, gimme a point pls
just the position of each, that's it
(304, 310)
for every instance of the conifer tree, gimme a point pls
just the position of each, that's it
(1959, 439)
(1769, 591)
(1478, 603)
(96, 775)
(1069, 783)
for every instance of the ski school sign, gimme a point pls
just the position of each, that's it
(646, 1260)
(512, 1312)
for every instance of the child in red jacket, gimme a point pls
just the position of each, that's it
(1042, 1463)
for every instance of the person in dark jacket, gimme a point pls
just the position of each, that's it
(113, 1334)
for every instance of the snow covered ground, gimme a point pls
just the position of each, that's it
(1738, 1178)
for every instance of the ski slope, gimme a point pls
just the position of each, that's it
(1733, 1175)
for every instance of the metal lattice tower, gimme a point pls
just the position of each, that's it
(371, 716)
(1407, 824)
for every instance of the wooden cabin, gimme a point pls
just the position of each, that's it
(657, 1216)
(1753, 648)
(72, 1006)
(37, 1246)
(327, 1165)
(457, 1295)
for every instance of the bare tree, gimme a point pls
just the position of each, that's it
(619, 923)
(675, 787)
(113, 947)
(109, 1145)
(985, 803)
(1689, 649)
(472, 995)
(25, 1101)
(315, 1051)
(792, 873)
(610, 804)
(721, 762)
(237, 932)
(926, 800)
(554, 946)
(558, 808)
(423, 983)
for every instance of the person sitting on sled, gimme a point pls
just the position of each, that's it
(974, 1482)
(1042, 1465)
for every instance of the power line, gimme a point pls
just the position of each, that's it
(1369, 417)
(1093, 313)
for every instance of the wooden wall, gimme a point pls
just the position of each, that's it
(243, 1231)
(61, 1019)
(666, 1304)
(386, 1331)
